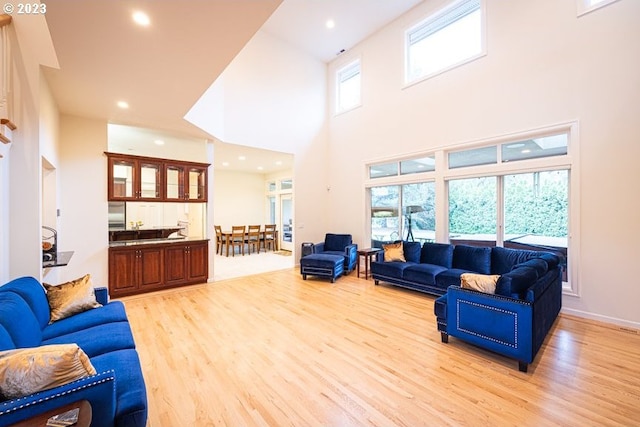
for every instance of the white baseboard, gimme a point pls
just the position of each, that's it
(622, 324)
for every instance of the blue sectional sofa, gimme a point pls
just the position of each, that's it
(117, 393)
(513, 321)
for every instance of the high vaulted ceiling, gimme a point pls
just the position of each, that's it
(163, 69)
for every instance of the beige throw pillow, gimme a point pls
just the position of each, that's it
(479, 282)
(70, 298)
(25, 371)
(393, 252)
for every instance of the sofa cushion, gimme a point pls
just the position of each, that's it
(411, 251)
(472, 258)
(479, 282)
(19, 321)
(99, 339)
(111, 312)
(538, 264)
(131, 394)
(389, 269)
(422, 273)
(504, 259)
(34, 294)
(71, 297)
(394, 252)
(516, 282)
(552, 260)
(437, 254)
(25, 371)
(336, 242)
(6, 343)
(450, 277)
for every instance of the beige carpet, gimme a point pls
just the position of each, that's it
(245, 265)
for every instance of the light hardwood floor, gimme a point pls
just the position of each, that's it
(274, 350)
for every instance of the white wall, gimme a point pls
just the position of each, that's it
(544, 66)
(83, 198)
(274, 96)
(239, 199)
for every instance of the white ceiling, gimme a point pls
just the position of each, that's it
(163, 69)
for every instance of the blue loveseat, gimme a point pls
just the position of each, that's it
(117, 393)
(513, 321)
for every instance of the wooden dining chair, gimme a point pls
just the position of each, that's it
(237, 238)
(269, 237)
(219, 241)
(253, 238)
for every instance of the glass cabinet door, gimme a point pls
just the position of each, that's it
(150, 180)
(174, 182)
(122, 174)
(197, 184)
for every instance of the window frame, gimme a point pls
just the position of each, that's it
(347, 69)
(587, 6)
(442, 174)
(432, 17)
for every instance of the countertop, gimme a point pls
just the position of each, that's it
(125, 243)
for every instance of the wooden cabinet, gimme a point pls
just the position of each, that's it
(185, 182)
(186, 263)
(135, 270)
(137, 178)
(134, 178)
(144, 268)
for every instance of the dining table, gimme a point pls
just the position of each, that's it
(226, 237)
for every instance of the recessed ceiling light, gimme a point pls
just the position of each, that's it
(225, 163)
(330, 23)
(159, 142)
(123, 104)
(242, 158)
(279, 163)
(260, 168)
(141, 18)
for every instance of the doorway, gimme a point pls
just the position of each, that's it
(286, 218)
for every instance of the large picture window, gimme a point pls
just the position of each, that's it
(514, 191)
(403, 212)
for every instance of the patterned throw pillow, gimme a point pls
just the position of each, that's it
(479, 282)
(71, 298)
(393, 252)
(24, 371)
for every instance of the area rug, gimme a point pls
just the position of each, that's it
(285, 253)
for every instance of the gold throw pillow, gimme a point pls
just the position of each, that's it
(71, 298)
(479, 282)
(25, 371)
(393, 252)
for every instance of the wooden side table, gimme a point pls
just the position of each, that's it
(84, 416)
(368, 255)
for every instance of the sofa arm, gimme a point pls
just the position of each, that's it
(102, 295)
(351, 254)
(99, 390)
(493, 322)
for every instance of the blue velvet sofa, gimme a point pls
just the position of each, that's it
(117, 393)
(513, 321)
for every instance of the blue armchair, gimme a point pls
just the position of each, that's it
(335, 244)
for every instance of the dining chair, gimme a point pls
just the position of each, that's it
(237, 238)
(269, 237)
(219, 240)
(253, 238)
